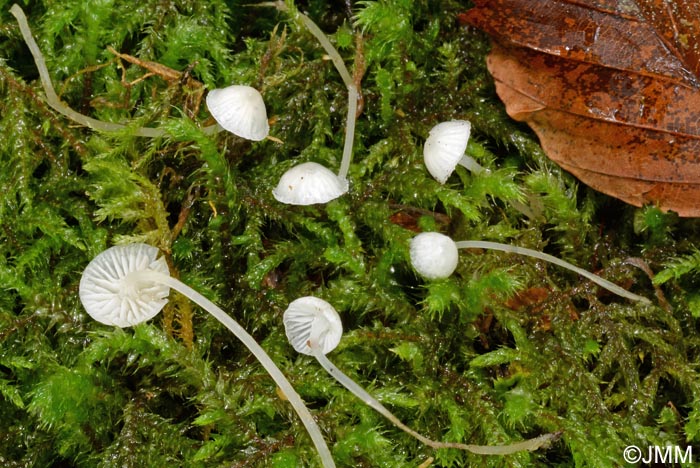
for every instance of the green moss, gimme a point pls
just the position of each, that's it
(506, 349)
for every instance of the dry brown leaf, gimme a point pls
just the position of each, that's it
(610, 87)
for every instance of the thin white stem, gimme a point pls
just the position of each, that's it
(361, 393)
(347, 79)
(349, 133)
(264, 359)
(323, 40)
(53, 100)
(471, 164)
(610, 286)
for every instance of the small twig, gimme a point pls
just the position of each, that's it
(359, 70)
(192, 195)
(644, 266)
(155, 68)
(89, 69)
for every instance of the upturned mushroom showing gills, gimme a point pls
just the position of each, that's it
(313, 327)
(427, 251)
(240, 110)
(444, 149)
(129, 284)
(315, 184)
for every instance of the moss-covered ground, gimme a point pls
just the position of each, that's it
(506, 349)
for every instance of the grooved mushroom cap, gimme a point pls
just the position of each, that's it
(312, 319)
(309, 183)
(445, 147)
(113, 297)
(433, 255)
(240, 110)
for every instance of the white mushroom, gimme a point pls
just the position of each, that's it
(310, 321)
(311, 186)
(128, 284)
(313, 327)
(444, 149)
(240, 110)
(432, 257)
(309, 183)
(113, 296)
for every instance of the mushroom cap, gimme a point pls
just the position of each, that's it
(111, 297)
(312, 319)
(433, 255)
(445, 146)
(309, 183)
(240, 110)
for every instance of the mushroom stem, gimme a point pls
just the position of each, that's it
(359, 392)
(347, 79)
(264, 359)
(313, 327)
(349, 132)
(610, 286)
(322, 39)
(471, 164)
(53, 100)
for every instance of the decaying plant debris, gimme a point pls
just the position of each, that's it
(505, 349)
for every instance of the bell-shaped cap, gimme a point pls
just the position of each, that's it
(433, 255)
(114, 297)
(312, 320)
(309, 183)
(240, 110)
(445, 147)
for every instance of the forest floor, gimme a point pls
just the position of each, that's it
(507, 348)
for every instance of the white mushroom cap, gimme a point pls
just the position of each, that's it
(309, 183)
(445, 147)
(310, 319)
(433, 255)
(113, 297)
(240, 110)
